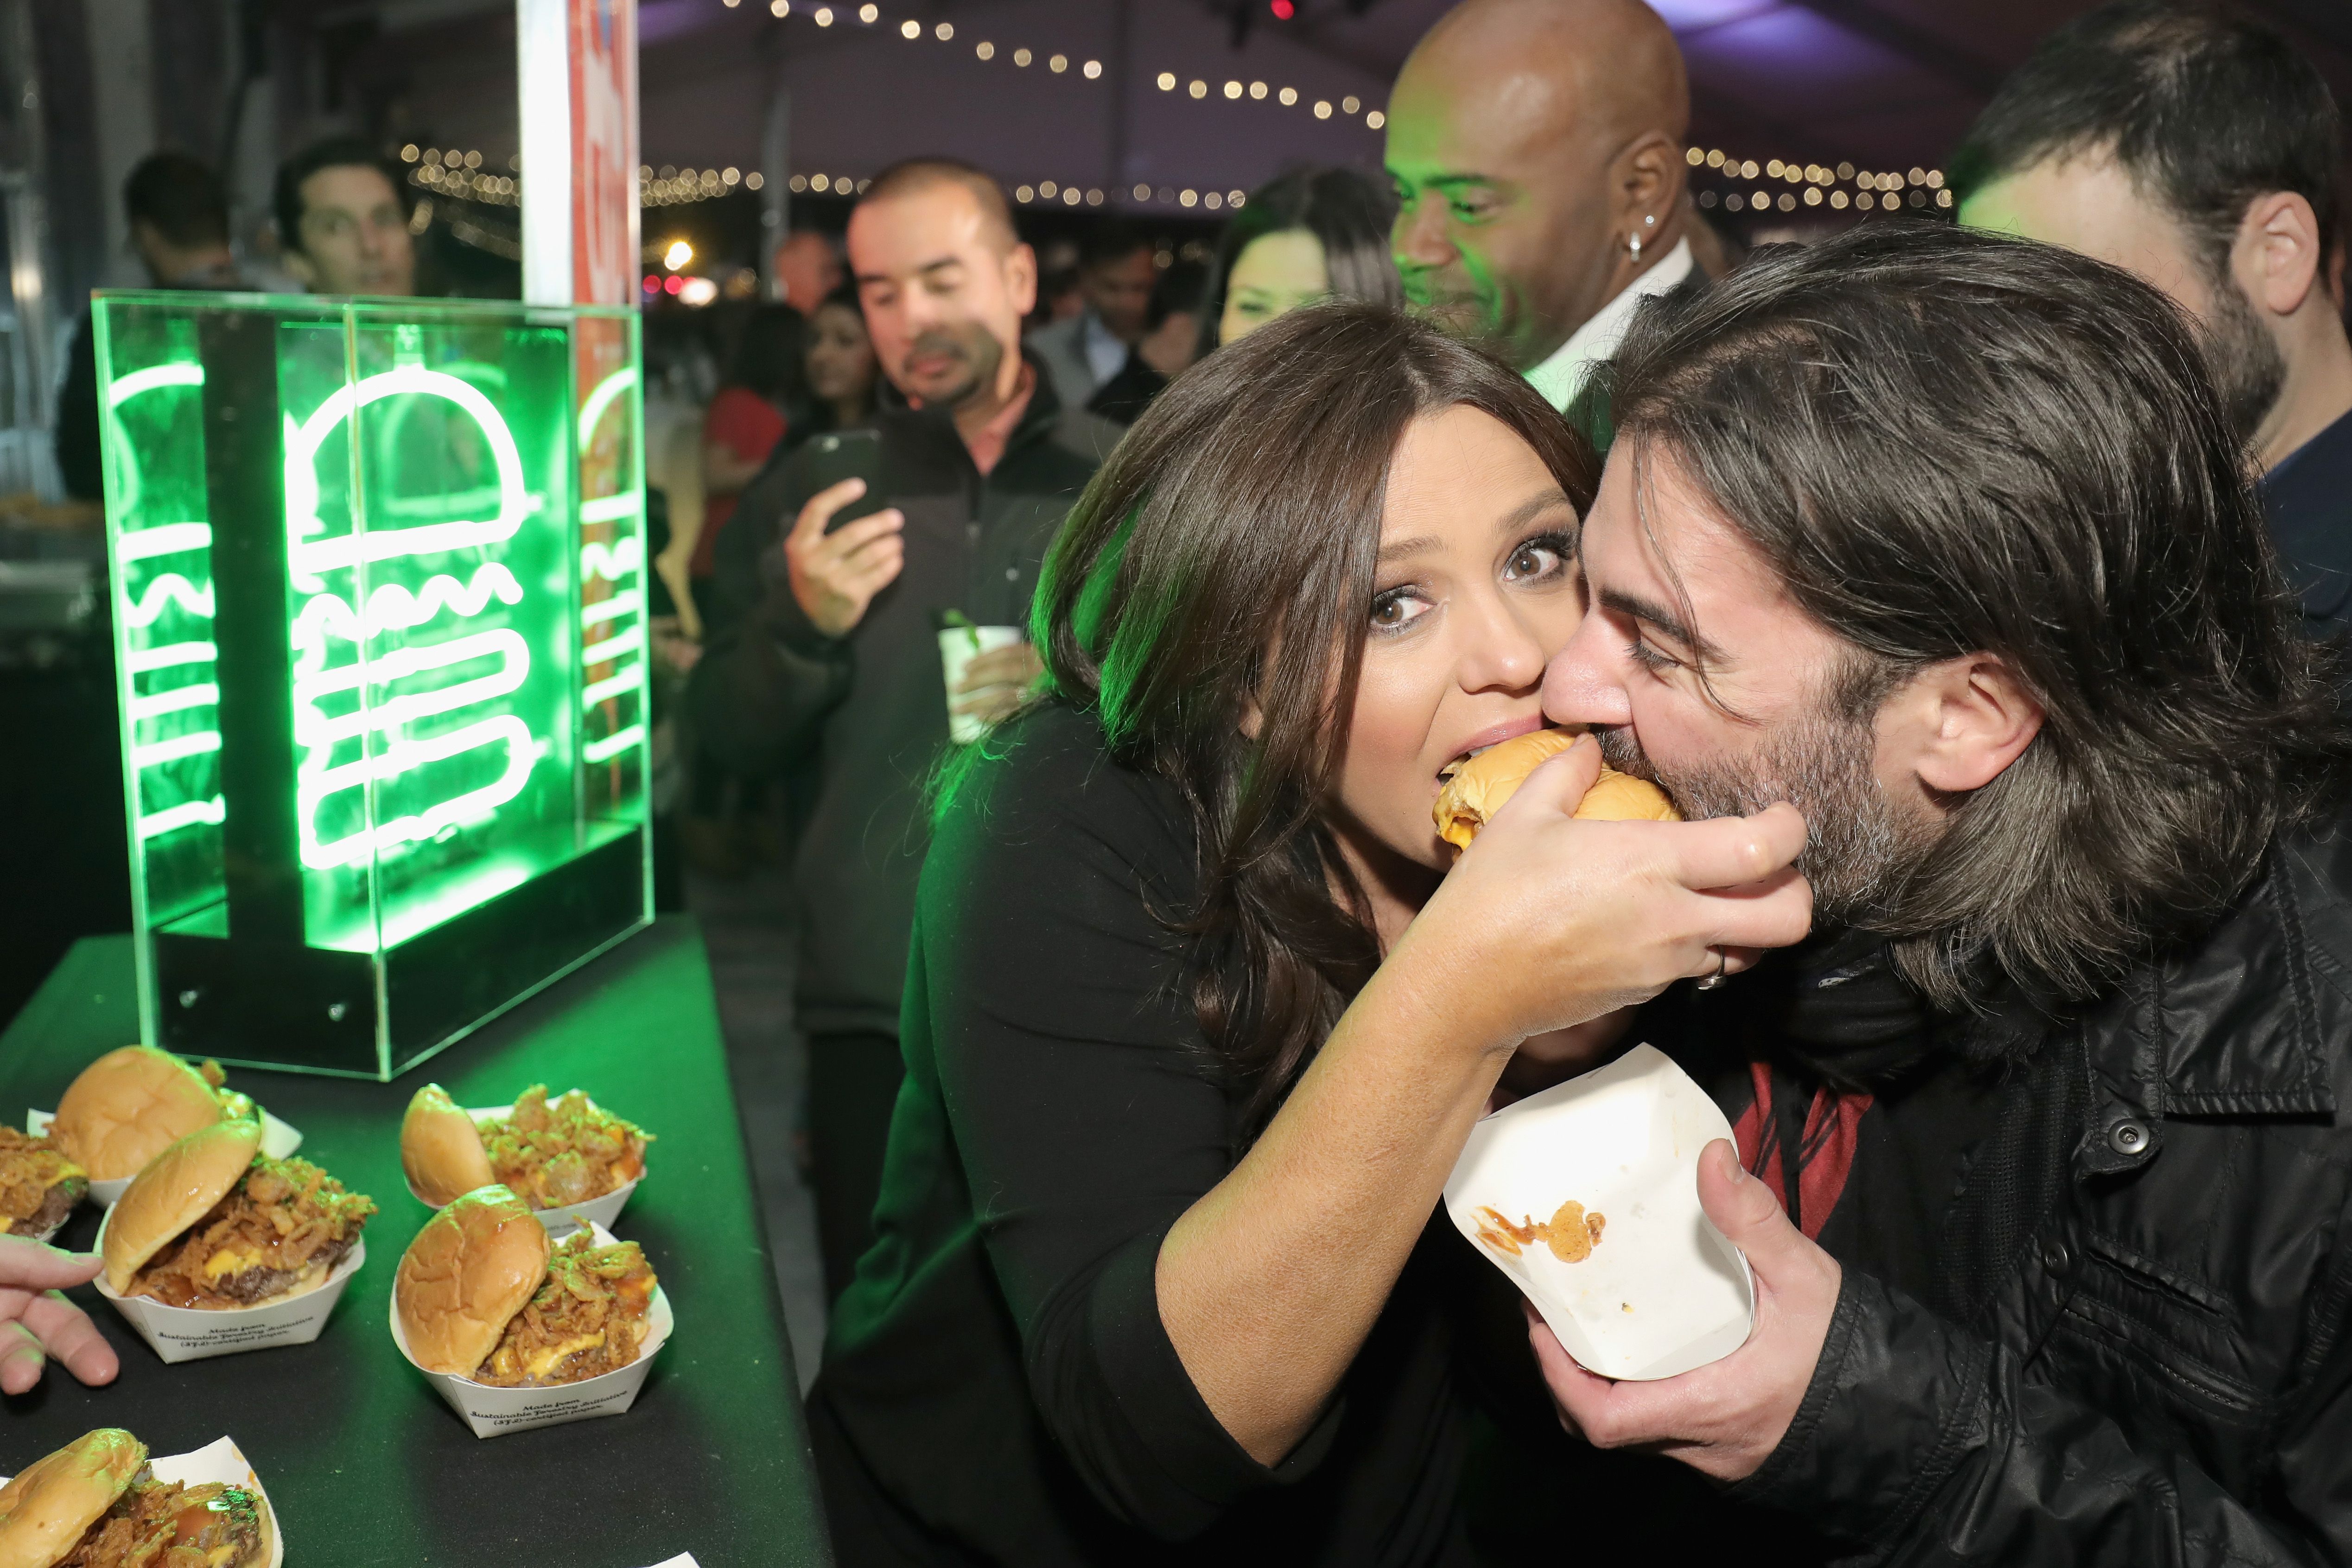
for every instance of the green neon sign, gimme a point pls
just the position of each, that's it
(420, 528)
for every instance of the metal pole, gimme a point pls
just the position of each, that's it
(24, 177)
(775, 180)
(1120, 70)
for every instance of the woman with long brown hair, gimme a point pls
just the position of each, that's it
(1198, 1017)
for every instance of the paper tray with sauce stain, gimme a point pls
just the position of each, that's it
(563, 1220)
(192, 1333)
(1662, 1292)
(490, 1412)
(220, 1461)
(279, 1141)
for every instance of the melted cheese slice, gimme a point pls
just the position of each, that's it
(548, 1360)
(230, 1261)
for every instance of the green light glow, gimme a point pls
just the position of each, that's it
(326, 619)
(180, 595)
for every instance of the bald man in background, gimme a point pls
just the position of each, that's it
(1537, 151)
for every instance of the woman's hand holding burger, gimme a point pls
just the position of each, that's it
(1547, 921)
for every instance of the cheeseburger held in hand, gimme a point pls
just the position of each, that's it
(94, 1503)
(213, 1223)
(1476, 787)
(481, 1294)
(551, 1153)
(130, 1104)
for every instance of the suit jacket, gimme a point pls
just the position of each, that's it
(1061, 347)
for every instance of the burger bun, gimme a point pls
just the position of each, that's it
(1477, 788)
(127, 1107)
(472, 1268)
(441, 1149)
(47, 1507)
(173, 1193)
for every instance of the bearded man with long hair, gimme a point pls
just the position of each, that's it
(1946, 539)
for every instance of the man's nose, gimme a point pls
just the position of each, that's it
(1421, 239)
(1582, 685)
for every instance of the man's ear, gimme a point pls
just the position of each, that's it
(1650, 177)
(2276, 257)
(1021, 277)
(1253, 720)
(1969, 718)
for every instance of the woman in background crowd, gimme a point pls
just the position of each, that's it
(841, 367)
(750, 414)
(1313, 234)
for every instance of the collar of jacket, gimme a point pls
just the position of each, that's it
(2239, 1025)
(1038, 421)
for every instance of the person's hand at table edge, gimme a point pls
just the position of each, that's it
(1727, 1418)
(37, 1323)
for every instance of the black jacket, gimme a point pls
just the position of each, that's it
(2157, 1370)
(872, 706)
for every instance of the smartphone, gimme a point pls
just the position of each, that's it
(839, 455)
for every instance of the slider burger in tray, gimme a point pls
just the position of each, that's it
(482, 1294)
(214, 1224)
(129, 1105)
(95, 1503)
(552, 1154)
(1476, 787)
(38, 1185)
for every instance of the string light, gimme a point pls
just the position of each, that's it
(1818, 184)
(1092, 70)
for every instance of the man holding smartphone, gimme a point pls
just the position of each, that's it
(830, 579)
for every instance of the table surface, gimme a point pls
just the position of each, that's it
(364, 1463)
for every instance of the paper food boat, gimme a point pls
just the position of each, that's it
(1662, 1292)
(279, 1141)
(192, 1333)
(223, 1461)
(563, 1220)
(494, 1412)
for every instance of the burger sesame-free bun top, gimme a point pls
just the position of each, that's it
(127, 1107)
(46, 1509)
(1477, 787)
(474, 1266)
(173, 1193)
(441, 1149)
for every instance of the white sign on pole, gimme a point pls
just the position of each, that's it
(577, 63)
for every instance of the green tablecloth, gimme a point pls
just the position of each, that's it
(366, 1466)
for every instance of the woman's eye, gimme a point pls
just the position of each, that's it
(1397, 609)
(1534, 559)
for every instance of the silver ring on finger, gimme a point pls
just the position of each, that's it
(1722, 963)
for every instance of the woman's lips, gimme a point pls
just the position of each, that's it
(1493, 735)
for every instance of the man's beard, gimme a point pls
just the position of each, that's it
(1859, 848)
(974, 347)
(2248, 369)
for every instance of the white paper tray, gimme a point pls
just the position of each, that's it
(279, 1141)
(192, 1333)
(223, 1461)
(1662, 1292)
(563, 1220)
(494, 1412)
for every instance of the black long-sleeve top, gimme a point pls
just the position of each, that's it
(998, 1387)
